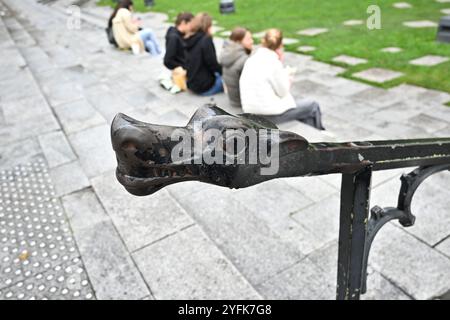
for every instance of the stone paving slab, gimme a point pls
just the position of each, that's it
(304, 281)
(378, 97)
(289, 41)
(23, 81)
(56, 148)
(19, 152)
(312, 32)
(402, 5)
(429, 61)
(351, 23)
(429, 123)
(415, 268)
(379, 287)
(413, 94)
(443, 133)
(344, 129)
(348, 88)
(271, 205)
(28, 128)
(68, 178)
(93, 147)
(430, 207)
(143, 222)
(322, 219)
(420, 24)
(315, 188)
(77, 116)
(351, 61)
(392, 50)
(241, 234)
(306, 49)
(444, 247)
(61, 93)
(378, 75)
(108, 263)
(187, 265)
(106, 101)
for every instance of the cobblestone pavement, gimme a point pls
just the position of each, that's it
(69, 230)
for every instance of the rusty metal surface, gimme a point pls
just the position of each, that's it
(145, 165)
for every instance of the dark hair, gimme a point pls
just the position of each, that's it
(201, 22)
(238, 34)
(121, 4)
(183, 17)
(273, 39)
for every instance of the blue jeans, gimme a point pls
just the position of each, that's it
(216, 88)
(150, 42)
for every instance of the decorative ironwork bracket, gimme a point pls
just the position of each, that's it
(380, 216)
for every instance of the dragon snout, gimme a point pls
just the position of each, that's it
(143, 153)
(133, 140)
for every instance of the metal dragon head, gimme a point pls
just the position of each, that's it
(151, 157)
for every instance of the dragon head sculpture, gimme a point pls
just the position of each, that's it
(151, 156)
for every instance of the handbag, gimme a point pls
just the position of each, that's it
(179, 78)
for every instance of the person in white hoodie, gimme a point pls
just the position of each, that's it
(265, 86)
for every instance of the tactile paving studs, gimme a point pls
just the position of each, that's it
(38, 255)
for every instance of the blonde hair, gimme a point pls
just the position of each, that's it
(201, 22)
(273, 39)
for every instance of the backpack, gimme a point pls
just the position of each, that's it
(110, 35)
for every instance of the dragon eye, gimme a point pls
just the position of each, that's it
(129, 146)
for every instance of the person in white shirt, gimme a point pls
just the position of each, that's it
(265, 86)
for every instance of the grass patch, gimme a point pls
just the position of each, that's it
(447, 104)
(294, 15)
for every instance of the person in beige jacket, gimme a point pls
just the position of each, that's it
(128, 33)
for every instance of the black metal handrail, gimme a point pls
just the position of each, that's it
(145, 165)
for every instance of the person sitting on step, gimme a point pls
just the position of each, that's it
(265, 86)
(234, 55)
(204, 73)
(128, 32)
(175, 57)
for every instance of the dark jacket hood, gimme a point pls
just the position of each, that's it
(194, 39)
(172, 31)
(231, 52)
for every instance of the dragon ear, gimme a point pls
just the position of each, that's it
(292, 142)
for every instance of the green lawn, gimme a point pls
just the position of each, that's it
(294, 15)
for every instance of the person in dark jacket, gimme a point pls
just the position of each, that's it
(175, 47)
(234, 55)
(204, 73)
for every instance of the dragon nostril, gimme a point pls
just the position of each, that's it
(128, 146)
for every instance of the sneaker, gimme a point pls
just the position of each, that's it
(136, 49)
(166, 84)
(175, 89)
